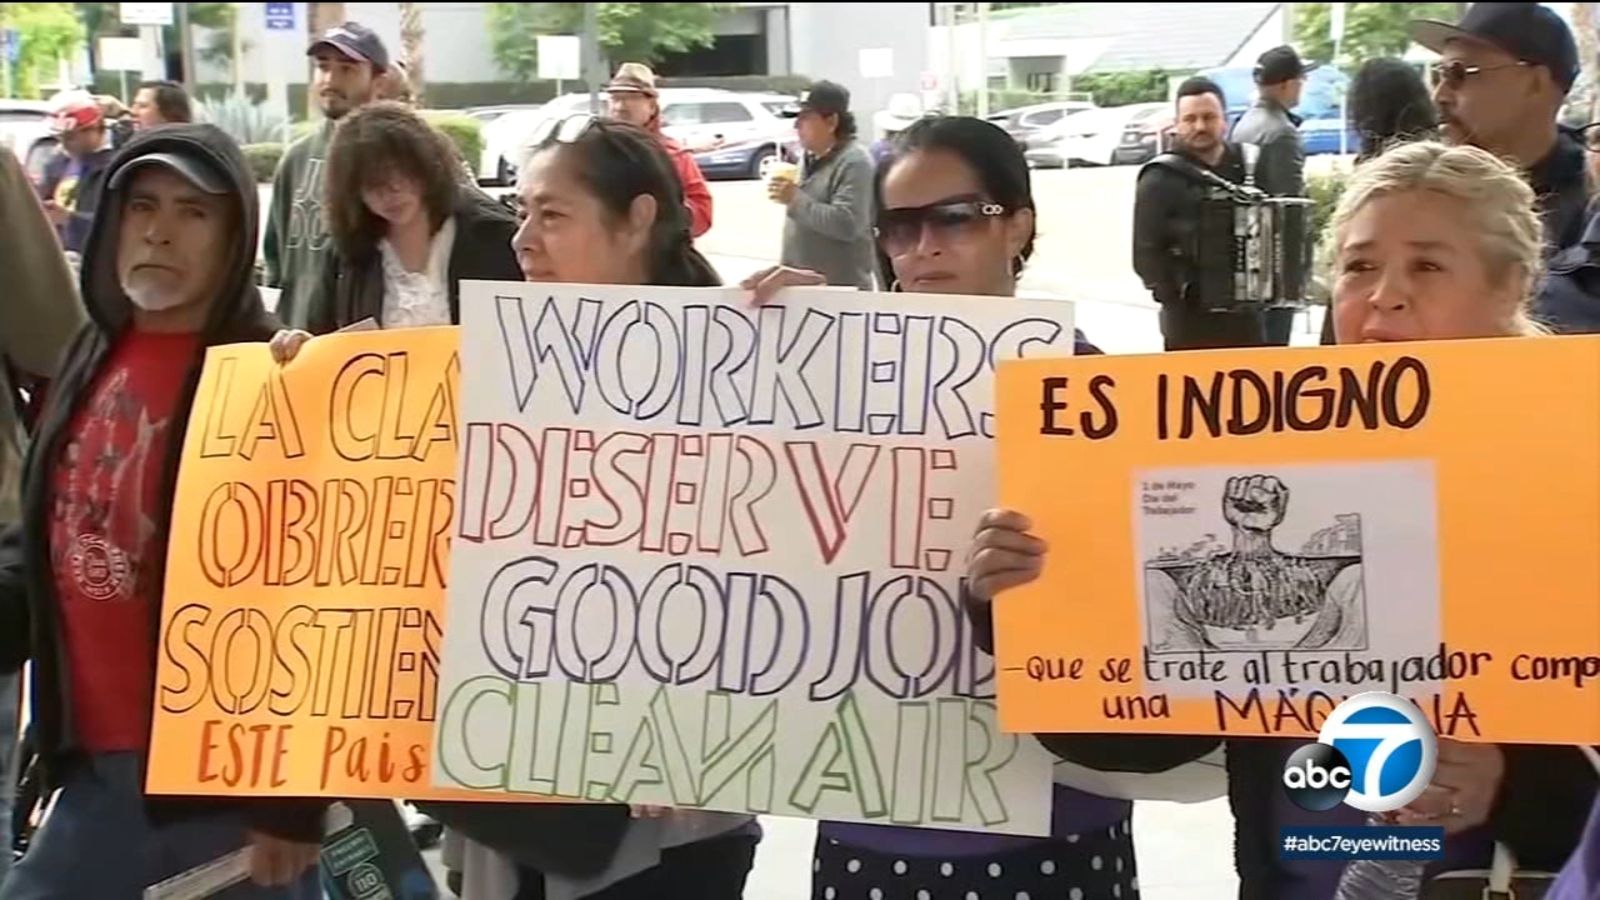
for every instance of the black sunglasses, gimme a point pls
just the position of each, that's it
(900, 229)
(1455, 73)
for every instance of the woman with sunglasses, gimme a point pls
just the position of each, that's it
(600, 203)
(1431, 243)
(956, 216)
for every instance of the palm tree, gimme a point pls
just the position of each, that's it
(1584, 22)
(411, 47)
(323, 16)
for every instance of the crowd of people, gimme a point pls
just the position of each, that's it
(1466, 216)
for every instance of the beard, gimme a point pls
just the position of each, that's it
(148, 292)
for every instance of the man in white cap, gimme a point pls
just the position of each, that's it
(634, 99)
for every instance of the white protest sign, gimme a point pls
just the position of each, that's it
(710, 556)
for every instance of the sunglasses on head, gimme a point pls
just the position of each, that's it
(901, 228)
(1455, 73)
(564, 130)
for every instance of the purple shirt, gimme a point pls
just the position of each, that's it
(1072, 812)
(1580, 879)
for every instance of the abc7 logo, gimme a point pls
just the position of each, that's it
(1394, 756)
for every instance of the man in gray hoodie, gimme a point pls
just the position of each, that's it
(828, 225)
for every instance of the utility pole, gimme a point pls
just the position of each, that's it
(185, 46)
(983, 60)
(591, 56)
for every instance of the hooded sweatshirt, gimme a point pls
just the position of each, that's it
(38, 315)
(32, 607)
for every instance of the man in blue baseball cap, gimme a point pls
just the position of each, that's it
(1504, 73)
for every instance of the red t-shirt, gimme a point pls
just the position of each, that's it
(104, 547)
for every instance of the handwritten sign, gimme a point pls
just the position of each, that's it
(1258, 534)
(301, 628)
(710, 556)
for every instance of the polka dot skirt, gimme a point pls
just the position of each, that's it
(1092, 866)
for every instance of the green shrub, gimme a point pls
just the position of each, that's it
(263, 159)
(462, 130)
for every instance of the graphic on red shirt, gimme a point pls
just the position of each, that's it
(105, 548)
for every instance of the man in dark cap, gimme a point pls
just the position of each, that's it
(1504, 72)
(166, 274)
(1271, 125)
(828, 225)
(350, 61)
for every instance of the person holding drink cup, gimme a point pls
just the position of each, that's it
(827, 224)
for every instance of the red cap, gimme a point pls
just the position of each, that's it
(77, 115)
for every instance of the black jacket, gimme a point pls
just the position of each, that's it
(1569, 299)
(30, 627)
(1166, 223)
(1563, 192)
(482, 251)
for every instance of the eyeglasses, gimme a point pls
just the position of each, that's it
(900, 229)
(1590, 135)
(1455, 73)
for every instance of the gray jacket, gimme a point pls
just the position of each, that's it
(1281, 168)
(828, 228)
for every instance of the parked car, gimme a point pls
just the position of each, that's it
(25, 132)
(730, 134)
(1144, 138)
(1025, 120)
(1091, 137)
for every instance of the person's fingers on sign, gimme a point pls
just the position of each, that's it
(769, 281)
(1003, 555)
(1462, 794)
(275, 862)
(286, 345)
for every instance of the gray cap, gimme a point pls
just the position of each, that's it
(192, 169)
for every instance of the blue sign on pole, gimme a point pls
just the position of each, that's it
(280, 17)
(11, 40)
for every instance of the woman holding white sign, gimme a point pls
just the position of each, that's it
(956, 216)
(1431, 243)
(600, 203)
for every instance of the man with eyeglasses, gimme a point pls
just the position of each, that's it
(1504, 73)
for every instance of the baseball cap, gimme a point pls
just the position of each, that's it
(1281, 64)
(76, 115)
(633, 78)
(1530, 32)
(356, 41)
(193, 169)
(825, 97)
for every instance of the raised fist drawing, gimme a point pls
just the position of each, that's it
(1255, 503)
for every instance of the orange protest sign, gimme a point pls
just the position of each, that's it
(1240, 539)
(306, 571)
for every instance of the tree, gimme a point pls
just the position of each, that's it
(411, 47)
(636, 32)
(1370, 29)
(49, 32)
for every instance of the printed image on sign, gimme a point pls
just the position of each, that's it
(1260, 535)
(300, 628)
(710, 556)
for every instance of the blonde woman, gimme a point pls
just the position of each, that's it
(1430, 243)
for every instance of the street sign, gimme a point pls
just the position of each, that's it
(124, 54)
(280, 17)
(11, 41)
(560, 57)
(1336, 22)
(145, 13)
(877, 62)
